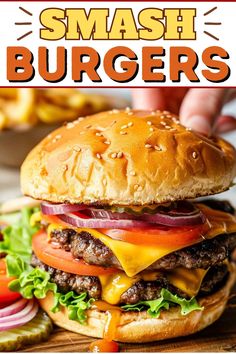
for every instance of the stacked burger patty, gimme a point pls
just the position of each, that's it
(207, 254)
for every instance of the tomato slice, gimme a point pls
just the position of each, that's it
(63, 260)
(163, 237)
(6, 295)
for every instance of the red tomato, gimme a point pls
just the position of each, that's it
(63, 260)
(163, 237)
(6, 295)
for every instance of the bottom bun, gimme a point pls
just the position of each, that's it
(139, 327)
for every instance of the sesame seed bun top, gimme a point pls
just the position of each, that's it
(127, 157)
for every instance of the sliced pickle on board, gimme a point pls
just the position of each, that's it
(33, 332)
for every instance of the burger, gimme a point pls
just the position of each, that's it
(126, 249)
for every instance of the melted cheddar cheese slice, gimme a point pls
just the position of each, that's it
(187, 280)
(136, 258)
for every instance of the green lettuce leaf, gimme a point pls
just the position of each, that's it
(76, 305)
(166, 300)
(17, 237)
(35, 282)
(16, 265)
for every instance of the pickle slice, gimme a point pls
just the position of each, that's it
(33, 332)
(137, 210)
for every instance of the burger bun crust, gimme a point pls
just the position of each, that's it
(127, 158)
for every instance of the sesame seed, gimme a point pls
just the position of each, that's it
(148, 146)
(58, 137)
(98, 134)
(98, 156)
(70, 125)
(153, 113)
(157, 148)
(107, 142)
(80, 119)
(88, 126)
(170, 116)
(194, 154)
(188, 128)
(130, 124)
(127, 109)
(162, 116)
(120, 154)
(163, 123)
(114, 155)
(76, 148)
(82, 132)
(115, 111)
(122, 132)
(166, 112)
(49, 136)
(114, 122)
(124, 126)
(54, 140)
(132, 173)
(149, 122)
(151, 129)
(168, 127)
(130, 113)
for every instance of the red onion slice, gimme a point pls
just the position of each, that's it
(165, 219)
(13, 308)
(56, 209)
(79, 221)
(182, 214)
(21, 320)
(16, 316)
(175, 221)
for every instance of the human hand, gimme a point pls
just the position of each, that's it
(198, 108)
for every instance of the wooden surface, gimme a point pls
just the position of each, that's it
(219, 337)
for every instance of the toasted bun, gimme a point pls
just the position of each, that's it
(127, 157)
(139, 327)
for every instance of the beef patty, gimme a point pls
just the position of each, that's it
(202, 255)
(140, 291)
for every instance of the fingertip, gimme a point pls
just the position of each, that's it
(197, 123)
(148, 99)
(225, 124)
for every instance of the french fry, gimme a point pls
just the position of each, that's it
(27, 106)
(3, 121)
(49, 113)
(8, 93)
(21, 109)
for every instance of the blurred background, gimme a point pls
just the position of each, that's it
(27, 115)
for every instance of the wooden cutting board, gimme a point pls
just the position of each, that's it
(219, 337)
